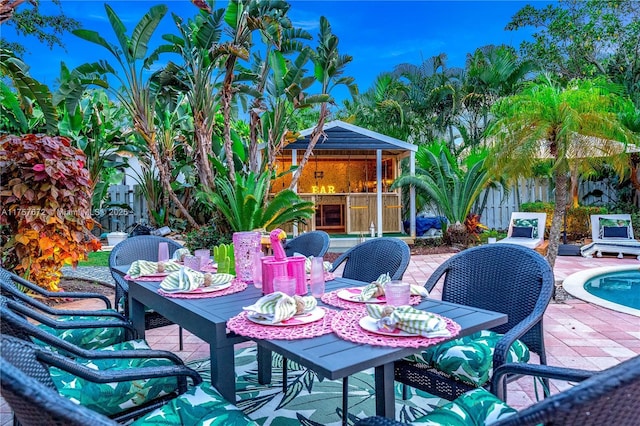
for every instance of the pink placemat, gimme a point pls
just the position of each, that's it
(346, 325)
(150, 278)
(236, 287)
(245, 327)
(332, 299)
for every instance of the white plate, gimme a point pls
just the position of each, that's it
(316, 314)
(353, 295)
(370, 324)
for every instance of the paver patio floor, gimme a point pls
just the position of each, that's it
(577, 334)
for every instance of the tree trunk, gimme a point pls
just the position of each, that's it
(150, 139)
(226, 98)
(314, 138)
(558, 215)
(203, 135)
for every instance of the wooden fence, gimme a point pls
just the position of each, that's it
(496, 214)
(501, 204)
(125, 206)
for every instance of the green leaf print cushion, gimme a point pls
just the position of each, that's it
(88, 338)
(475, 408)
(470, 358)
(200, 405)
(113, 398)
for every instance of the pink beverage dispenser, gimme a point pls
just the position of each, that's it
(295, 268)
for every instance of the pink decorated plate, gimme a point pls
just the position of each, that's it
(353, 295)
(201, 290)
(371, 324)
(313, 316)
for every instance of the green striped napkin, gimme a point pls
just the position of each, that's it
(370, 290)
(307, 264)
(186, 279)
(179, 254)
(408, 319)
(277, 307)
(140, 268)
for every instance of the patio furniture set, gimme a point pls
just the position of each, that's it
(493, 300)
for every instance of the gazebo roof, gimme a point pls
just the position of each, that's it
(345, 136)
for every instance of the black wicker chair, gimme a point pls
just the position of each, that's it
(314, 243)
(27, 286)
(609, 397)
(10, 290)
(372, 258)
(35, 361)
(17, 321)
(506, 278)
(34, 404)
(142, 247)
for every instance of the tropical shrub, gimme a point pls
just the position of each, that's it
(46, 207)
(207, 236)
(245, 205)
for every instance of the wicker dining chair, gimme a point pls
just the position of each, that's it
(608, 397)
(27, 286)
(314, 243)
(26, 380)
(506, 278)
(37, 361)
(142, 247)
(372, 258)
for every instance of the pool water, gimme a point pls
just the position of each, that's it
(621, 287)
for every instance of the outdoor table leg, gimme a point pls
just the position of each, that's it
(223, 371)
(385, 397)
(264, 365)
(136, 316)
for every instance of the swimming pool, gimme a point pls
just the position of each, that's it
(613, 287)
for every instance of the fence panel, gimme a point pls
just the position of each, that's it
(123, 208)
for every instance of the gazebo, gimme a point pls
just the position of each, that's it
(348, 178)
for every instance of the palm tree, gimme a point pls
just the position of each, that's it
(548, 120)
(329, 65)
(136, 93)
(448, 186)
(491, 73)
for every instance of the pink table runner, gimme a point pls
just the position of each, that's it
(245, 327)
(332, 299)
(346, 325)
(236, 287)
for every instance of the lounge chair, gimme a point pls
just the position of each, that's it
(611, 233)
(526, 229)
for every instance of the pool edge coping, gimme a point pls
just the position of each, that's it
(574, 285)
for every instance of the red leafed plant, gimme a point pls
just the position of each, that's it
(473, 225)
(46, 207)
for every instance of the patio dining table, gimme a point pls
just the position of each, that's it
(328, 355)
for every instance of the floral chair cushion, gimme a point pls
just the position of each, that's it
(474, 408)
(89, 338)
(113, 398)
(470, 358)
(200, 405)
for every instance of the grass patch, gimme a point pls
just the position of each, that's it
(96, 258)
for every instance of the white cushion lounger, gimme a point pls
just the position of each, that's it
(525, 229)
(611, 233)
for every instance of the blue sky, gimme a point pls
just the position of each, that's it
(378, 34)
